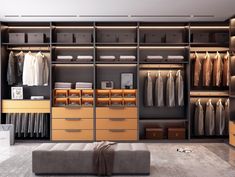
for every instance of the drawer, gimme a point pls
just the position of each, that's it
(72, 123)
(232, 139)
(60, 93)
(116, 112)
(72, 134)
(116, 135)
(103, 93)
(40, 106)
(75, 93)
(232, 127)
(102, 102)
(116, 123)
(75, 101)
(64, 112)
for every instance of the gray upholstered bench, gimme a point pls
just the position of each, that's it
(77, 158)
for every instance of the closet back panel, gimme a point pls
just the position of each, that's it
(155, 112)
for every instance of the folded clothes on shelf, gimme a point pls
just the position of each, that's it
(178, 57)
(127, 57)
(154, 57)
(37, 97)
(64, 57)
(83, 85)
(107, 57)
(84, 57)
(63, 85)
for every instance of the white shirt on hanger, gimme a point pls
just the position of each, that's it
(28, 70)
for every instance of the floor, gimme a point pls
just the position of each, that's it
(205, 160)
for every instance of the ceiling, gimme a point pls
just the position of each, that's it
(116, 10)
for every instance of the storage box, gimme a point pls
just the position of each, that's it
(107, 37)
(64, 37)
(154, 133)
(35, 38)
(174, 37)
(201, 37)
(176, 133)
(60, 93)
(83, 38)
(18, 38)
(126, 37)
(221, 37)
(61, 101)
(154, 37)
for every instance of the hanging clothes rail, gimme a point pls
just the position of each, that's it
(29, 48)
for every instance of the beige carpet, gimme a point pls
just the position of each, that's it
(165, 161)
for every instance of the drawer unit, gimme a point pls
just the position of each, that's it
(23, 106)
(116, 123)
(35, 38)
(72, 123)
(75, 134)
(232, 139)
(65, 112)
(116, 112)
(113, 134)
(232, 127)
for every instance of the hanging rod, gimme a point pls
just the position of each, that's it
(161, 66)
(208, 49)
(29, 48)
(209, 94)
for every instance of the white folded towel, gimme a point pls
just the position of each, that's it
(127, 57)
(179, 57)
(64, 57)
(84, 57)
(107, 57)
(154, 57)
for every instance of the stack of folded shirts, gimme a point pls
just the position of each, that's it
(127, 57)
(63, 85)
(154, 57)
(107, 57)
(85, 57)
(83, 85)
(64, 57)
(176, 57)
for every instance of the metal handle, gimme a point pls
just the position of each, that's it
(117, 119)
(116, 131)
(73, 119)
(73, 130)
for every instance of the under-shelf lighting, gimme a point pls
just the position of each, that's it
(116, 27)
(162, 47)
(209, 27)
(163, 27)
(161, 66)
(73, 27)
(28, 27)
(116, 47)
(73, 47)
(116, 65)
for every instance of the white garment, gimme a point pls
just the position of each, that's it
(28, 69)
(41, 70)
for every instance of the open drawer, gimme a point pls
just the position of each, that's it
(116, 102)
(87, 93)
(102, 101)
(116, 93)
(73, 93)
(75, 102)
(60, 101)
(60, 93)
(129, 101)
(87, 101)
(129, 93)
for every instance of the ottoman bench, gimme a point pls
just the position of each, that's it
(77, 158)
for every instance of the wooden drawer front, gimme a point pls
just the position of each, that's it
(232, 139)
(116, 123)
(42, 106)
(116, 134)
(232, 127)
(116, 113)
(72, 113)
(72, 134)
(72, 123)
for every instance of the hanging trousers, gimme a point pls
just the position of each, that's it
(159, 91)
(179, 86)
(198, 119)
(148, 96)
(170, 91)
(219, 119)
(209, 119)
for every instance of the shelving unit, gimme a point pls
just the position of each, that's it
(134, 39)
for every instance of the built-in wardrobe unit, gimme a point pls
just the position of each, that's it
(142, 80)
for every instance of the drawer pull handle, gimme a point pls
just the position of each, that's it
(76, 130)
(73, 119)
(116, 131)
(116, 107)
(117, 119)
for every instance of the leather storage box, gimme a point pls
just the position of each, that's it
(174, 37)
(83, 38)
(176, 133)
(154, 133)
(154, 37)
(200, 37)
(107, 37)
(35, 38)
(64, 37)
(126, 37)
(221, 37)
(17, 38)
